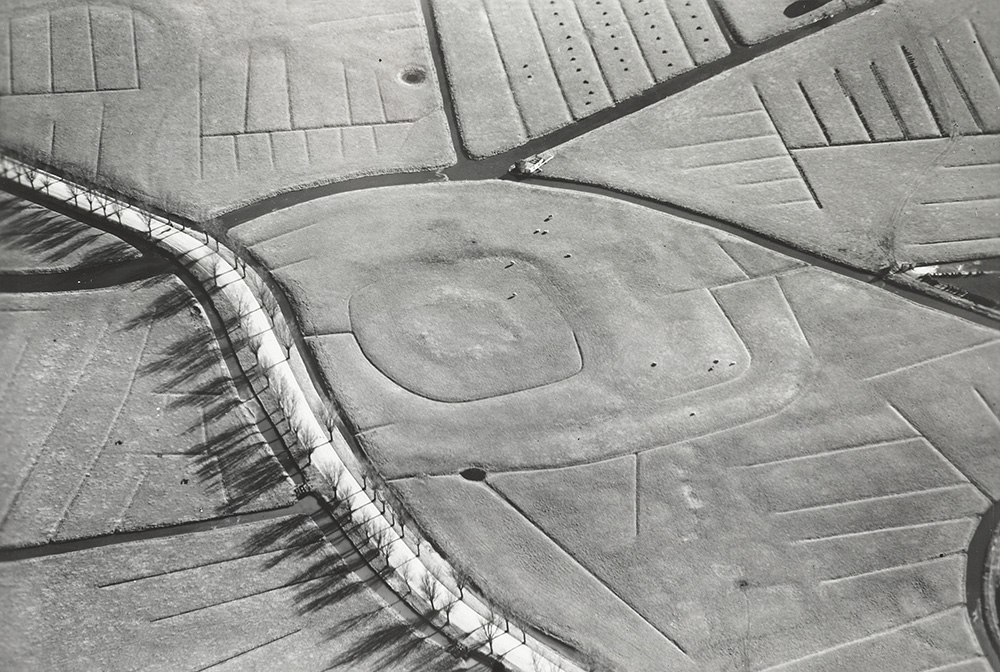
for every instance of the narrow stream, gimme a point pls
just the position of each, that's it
(98, 277)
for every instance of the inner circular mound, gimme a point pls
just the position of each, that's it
(463, 330)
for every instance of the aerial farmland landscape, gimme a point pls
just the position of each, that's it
(534, 335)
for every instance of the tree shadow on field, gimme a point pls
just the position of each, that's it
(231, 455)
(50, 237)
(363, 630)
(330, 593)
(332, 578)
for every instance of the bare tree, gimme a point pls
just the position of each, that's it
(113, 211)
(207, 225)
(284, 390)
(492, 627)
(267, 300)
(448, 605)
(239, 251)
(92, 200)
(329, 417)
(218, 270)
(461, 581)
(244, 306)
(281, 390)
(284, 335)
(75, 193)
(430, 587)
(377, 538)
(46, 180)
(401, 521)
(406, 572)
(29, 173)
(147, 219)
(366, 529)
(336, 481)
(374, 534)
(309, 440)
(102, 206)
(256, 342)
(382, 541)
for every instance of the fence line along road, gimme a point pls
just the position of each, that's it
(415, 573)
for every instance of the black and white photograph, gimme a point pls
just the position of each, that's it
(500, 335)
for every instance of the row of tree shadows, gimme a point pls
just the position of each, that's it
(89, 258)
(329, 580)
(233, 451)
(241, 456)
(190, 371)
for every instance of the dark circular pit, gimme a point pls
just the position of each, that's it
(473, 474)
(413, 75)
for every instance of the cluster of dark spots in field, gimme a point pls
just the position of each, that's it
(716, 362)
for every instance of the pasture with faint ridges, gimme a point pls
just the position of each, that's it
(266, 595)
(203, 108)
(519, 70)
(879, 154)
(145, 430)
(758, 437)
